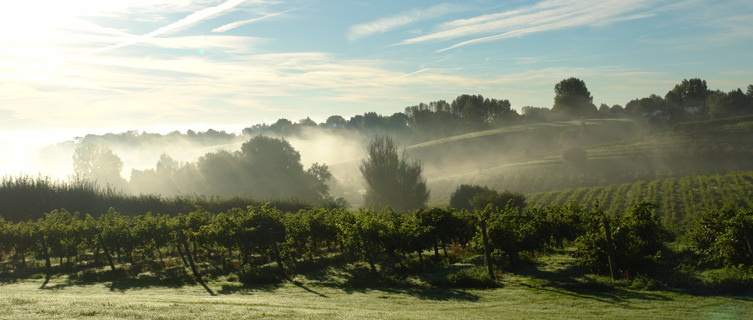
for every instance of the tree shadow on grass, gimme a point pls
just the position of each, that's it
(7, 280)
(240, 288)
(168, 278)
(571, 280)
(566, 277)
(57, 286)
(429, 293)
(300, 285)
(250, 289)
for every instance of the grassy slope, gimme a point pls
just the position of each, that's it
(483, 157)
(550, 289)
(469, 137)
(25, 301)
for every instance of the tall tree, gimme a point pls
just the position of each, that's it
(571, 97)
(97, 163)
(461, 198)
(391, 180)
(689, 93)
(265, 168)
(722, 104)
(433, 120)
(653, 105)
(335, 122)
(476, 112)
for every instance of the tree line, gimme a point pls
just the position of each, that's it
(264, 168)
(267, 167)
(28, 198)
(689, 100)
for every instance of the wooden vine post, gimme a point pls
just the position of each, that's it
(610, 249)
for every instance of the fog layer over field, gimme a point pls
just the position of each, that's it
(50, 154)
(453, 160)
(526, 158)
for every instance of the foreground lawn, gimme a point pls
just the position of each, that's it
(61, 300)
(551, 288)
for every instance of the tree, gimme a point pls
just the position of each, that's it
(536, 114)
(724, 236)
(499, 200)
(637, 239)
(477, 112)
(461, 198)
(432, 120)
(96, 162)
(391, 180)
(617, 110)
(571, 97)
(265, 168)
(335, 122)
(439, 226)
(221, 174)
(653, 105)
(169, 177)
(604, 110)
(307, 122)
(722, 104)
(282, 126)
(689, 93)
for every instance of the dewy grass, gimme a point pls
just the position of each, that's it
(552, 287)
(517, 298)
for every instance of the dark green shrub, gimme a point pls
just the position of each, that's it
(473, 277)
(638, 239)
(720, 237)
(254, 275)
(732, 280)
(641, 282)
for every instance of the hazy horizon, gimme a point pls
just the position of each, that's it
(81, 67)
(216, 63)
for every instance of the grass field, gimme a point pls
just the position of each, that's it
(542, 291)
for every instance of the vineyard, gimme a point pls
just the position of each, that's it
(687, 234)
(437, 247)
(679, 199)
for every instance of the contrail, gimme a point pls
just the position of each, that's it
(188, 20)
(236, 24)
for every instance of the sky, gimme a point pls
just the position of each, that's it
(157, 65)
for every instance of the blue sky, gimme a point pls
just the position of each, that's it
(163, 64)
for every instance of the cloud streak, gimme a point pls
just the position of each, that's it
(110, 90)
(389, 23)
(237, 24)
(175, 26)
(543, 16)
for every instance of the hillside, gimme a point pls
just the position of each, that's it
(528, 158)
(680, 199)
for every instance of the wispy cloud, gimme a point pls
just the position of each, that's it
(389, 23)
(543, 16)
(175, 26)
(109, 89)
(237, 24)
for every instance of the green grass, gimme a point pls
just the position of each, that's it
(551, 288)
(514, 301)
